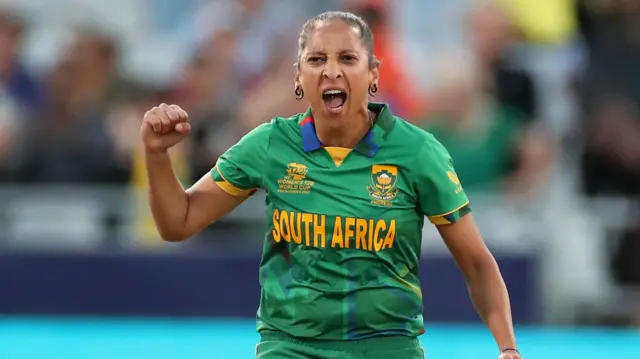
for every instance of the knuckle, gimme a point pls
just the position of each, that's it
(150, 115)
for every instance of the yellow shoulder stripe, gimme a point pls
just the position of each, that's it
(440, 218)
(226, 186)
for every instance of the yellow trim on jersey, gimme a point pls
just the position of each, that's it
(439, 219)
(338, 154)
(231, 189)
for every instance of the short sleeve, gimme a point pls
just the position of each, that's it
(239, 170)
(440, 194)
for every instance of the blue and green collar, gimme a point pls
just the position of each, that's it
(368, 146)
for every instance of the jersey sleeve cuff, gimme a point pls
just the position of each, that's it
(227, 186)
(451, 216)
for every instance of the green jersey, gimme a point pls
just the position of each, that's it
(340, 258)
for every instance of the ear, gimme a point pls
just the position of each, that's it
(296, 75)
(374, 75)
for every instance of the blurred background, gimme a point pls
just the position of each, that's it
(537, 102)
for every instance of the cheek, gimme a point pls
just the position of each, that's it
(308, 77)
(359, 80)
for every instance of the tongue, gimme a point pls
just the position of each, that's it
(335, 101)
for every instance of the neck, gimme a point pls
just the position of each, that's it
(345, 133)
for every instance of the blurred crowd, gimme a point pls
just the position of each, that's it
(78, 122)
(609, 98)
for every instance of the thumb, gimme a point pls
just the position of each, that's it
(184, 128)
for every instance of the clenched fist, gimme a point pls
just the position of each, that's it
(163, 127)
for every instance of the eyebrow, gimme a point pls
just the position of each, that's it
(319, 52)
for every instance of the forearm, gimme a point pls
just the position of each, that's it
(167, 198)
(491, 299)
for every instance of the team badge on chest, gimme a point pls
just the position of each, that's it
(383, 184)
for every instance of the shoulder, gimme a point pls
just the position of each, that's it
(416, 139)
(424, 154)
(266, 130)
(283, 125)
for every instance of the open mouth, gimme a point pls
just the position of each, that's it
(334, 100)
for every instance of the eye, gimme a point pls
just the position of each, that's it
(314, 59)
(349, 58)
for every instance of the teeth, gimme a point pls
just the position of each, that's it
(332, 92)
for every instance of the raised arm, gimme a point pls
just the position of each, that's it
(179, 214)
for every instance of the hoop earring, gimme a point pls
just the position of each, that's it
(372, 90)
(299, 93)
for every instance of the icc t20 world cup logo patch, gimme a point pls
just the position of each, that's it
(295, 180)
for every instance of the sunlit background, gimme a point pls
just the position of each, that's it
(537, 101)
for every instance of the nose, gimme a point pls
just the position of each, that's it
(332, 70)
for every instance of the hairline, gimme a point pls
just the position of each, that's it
(353, 21)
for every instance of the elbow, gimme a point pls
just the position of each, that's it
(481, 268)
(487, 265)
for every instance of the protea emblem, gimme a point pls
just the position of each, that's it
(383, 182)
